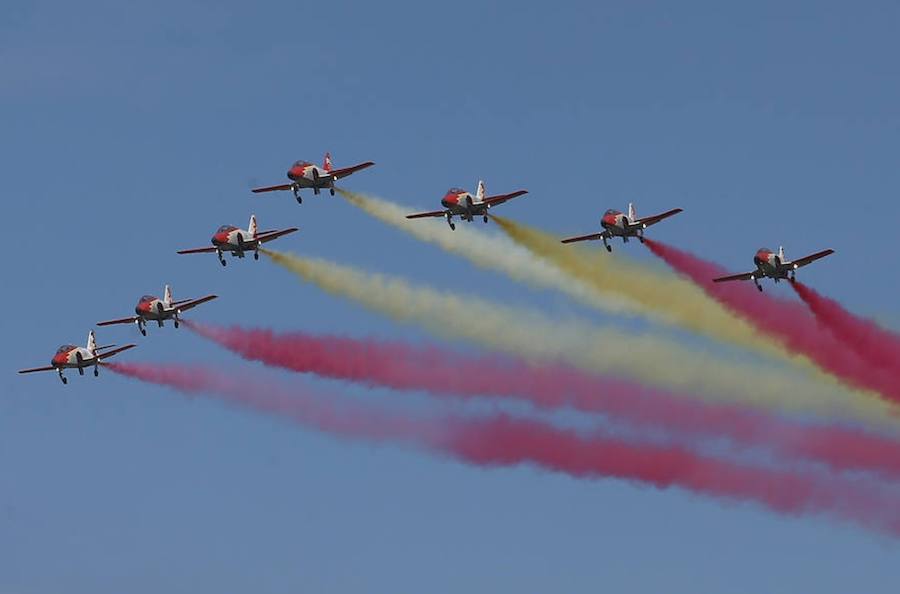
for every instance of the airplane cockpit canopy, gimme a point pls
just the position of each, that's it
(301, 163)
(65, 348)
(225, 228)
(146, 298)
(455, 191)
(612, 211)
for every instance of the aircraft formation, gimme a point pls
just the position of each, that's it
(456, 202)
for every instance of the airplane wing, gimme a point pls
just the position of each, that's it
(206, 250)
(500, 199)
(422, 215)
(735, 277)
(592, 236)
(109, 354)
(270, 235)
(130, 320)
(33, 369)
(657, 218)
(272, 188)
(811, 258)
(187, 304)
(344, 172)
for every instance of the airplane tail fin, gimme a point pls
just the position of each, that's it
(632, 215)
(480, 192)
(781, 254)
(167, 296)
(326, 163)
(251, 228)
(91, 342)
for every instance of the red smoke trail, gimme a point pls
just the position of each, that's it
(872, 342)
(443, 372)
(503, 441)
(786, 321)
(263, 396)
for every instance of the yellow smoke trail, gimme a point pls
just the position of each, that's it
(678, 301)
(529, 334)
(492, 253)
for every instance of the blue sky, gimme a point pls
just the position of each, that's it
(132, 130)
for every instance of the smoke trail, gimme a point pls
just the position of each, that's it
(873, 343)
(298, 405)
(407, 367)
(492, 253)
(529, 334)
(605, 282)
(787, 322)
(504, 441)
(678, 302)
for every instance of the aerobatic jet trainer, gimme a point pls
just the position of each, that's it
(457, 202)
(619, 224)
(153, 309)
(774, 265)
(239, 241)
(69, 356)
(304, 174)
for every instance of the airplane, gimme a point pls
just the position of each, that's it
(618, 224)
(304, 174)
(462, 204)
(774, 265)
(69, 356)
(151, 308)
(238, 241)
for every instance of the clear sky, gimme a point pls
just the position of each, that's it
(130, 130)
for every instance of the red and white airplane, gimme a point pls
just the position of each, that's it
(618, 224)
(466, 206)
(774, 265)
(304, 174)
(70, 356)
(239, 241)
(152, 308)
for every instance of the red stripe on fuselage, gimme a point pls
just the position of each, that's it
(60, 359)
(764, 256)
(297, 172)
(610, 219)
(451, 199)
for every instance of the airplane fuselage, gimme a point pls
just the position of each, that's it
(234, 240)
(308, 175)
(463, 205)
(616, 224)
(769, 265)
(155, 309)
(73, 357)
